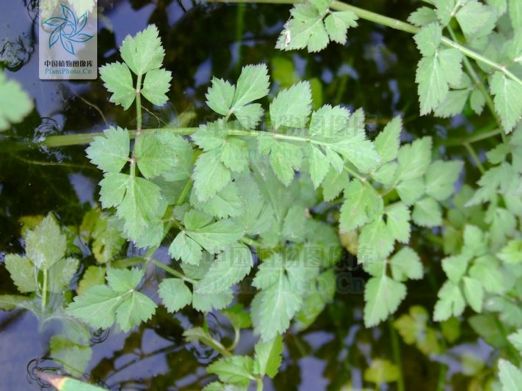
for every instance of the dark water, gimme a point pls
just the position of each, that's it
(374, 71)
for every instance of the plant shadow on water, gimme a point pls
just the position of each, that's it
(200, 41)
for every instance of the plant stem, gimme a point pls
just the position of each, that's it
(171, 271)
(396, 350)
(66, 140)
(474, 157)
(138, 106)
(44, 289)
(477, 136)
(259, 384)
(441, 383)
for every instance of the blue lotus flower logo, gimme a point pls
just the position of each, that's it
(67, 29)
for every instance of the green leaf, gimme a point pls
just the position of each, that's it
(398, 221)
(185, 248)
(139, 204)
(143, 52)
(381, 371)
(220, 96)
(473, 293)
(285, 158)
(441, 177)
(210, 175)
(110, 152)
(96, 306)
(22, 272)
(427, 213)
(117, 79)
(156, 85)
(337, 23)
(422, 16)
(156, 152)
(268, 357)
(134, 310)
(64, 383)
(387, 142)
(207, 302)
(375, 242)
(515, 14)
(216, 236)
(428, 39)
(15, 104)
(406, 264)
(486, 270)
(450, 303)
(230, 267)
(434, 75)
(94, 275)
(235, 370)
(362, 205)
(73, 356)
(319, 166)
(282, 283)
(511, 253)
(411, 190)
(455, 266)
(508, 99)
(253, 84)
(45, 244)
(510, 376)
(414, 158)
(382, 296)
(292, 106)
(476, 18)
(101, 305)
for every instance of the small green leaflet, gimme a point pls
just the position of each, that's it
(110, 152)
(45, 248)
(226, 99)
(476, 19)
(15, 104)
(143, 52)
(156, 85)
(233, 370)
(292, 106)
(427, 213)
(387, 142)
(436, 72)
(46, 244)
(118, 302)
(268, 357)
(230, 267)
(508, 99)
(382, 296)
(174, 294)
(414, 158)
(381, 371)
(451, 302)
(117, 78)
(281, 283)
(441, 177)
(510, 376)
(313, 25)
(362, 204)
(201, 232)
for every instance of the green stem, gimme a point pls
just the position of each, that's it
(259, 384)
(138, 106)
(441, 383)
(66, 140)
(474, 157)
(184, 193)
(475, 137)
(44, 289)
(396, 350)
(171, 271)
